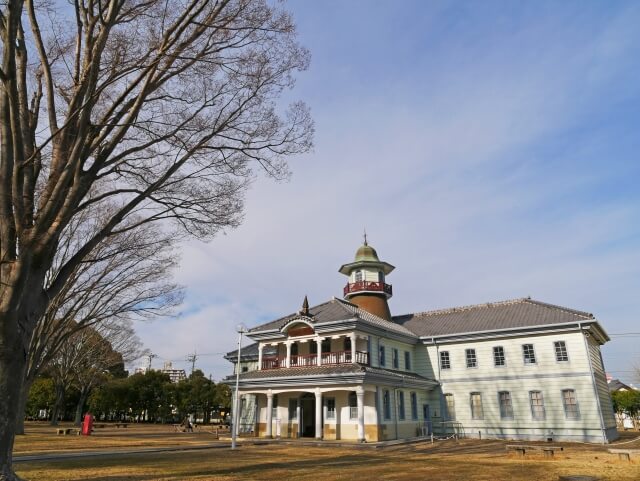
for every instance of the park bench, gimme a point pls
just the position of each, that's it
(624, 454)
(121, 425)
(522, 448)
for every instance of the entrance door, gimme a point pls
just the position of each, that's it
(426, 414)
(308, 415)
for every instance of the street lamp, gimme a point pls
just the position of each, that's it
(240, 329)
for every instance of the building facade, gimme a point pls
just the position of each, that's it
(348, 369)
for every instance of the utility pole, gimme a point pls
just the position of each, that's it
(192, 359)
(150, 357)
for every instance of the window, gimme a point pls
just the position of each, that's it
(476, 406)
(326, 345)
(407, 360)
(293, 409)
(401, 405)
(383, 360)
(506, 407)
(561, 351)
(537, 405)
(347, 344)
(451, 406)
(274, 407)
(396, 359)
(353, 406)
(445, 361)
(414, 406)
(358, 276)
(472, 361)
(380, 277)
(528, 354)
(313, 346)
(498, 356)
(386, 406)
(331, 407)
(570, 404)
(245, 368)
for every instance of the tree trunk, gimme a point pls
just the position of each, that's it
(84, 394)
(13, 362)
(55, 412)
(22, 409)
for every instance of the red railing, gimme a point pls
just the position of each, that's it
(368, 286)
(305, 360)
(302, 360)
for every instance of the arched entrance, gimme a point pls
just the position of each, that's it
(307, 415)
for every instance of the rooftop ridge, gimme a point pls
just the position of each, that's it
(450, 310)
(575, 312)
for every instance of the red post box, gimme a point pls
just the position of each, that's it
(87, 424)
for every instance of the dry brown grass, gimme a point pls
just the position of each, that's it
(444, 461)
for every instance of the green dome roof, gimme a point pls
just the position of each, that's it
(366, 253)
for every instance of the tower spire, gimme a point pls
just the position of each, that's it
(305, 307)
(365, 236)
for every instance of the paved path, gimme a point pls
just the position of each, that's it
(92, 454)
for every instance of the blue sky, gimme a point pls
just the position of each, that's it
(489, 148)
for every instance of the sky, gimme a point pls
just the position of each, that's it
(490, 149)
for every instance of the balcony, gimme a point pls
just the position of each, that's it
(306, 360)
(368, 286)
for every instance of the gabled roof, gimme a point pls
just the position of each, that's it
(333, 311)
(513, 314)
(249, 352)
(617, 385)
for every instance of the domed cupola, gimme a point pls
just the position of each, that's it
(366, 286)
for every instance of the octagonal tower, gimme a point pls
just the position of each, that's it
(366, 286)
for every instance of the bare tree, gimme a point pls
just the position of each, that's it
(156, 109)
(83, 359)
(127, 277)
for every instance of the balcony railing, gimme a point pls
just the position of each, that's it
(306, 360)
(368, 286)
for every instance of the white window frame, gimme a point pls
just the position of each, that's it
(401, 406)
(407, 360)
(563, 348)
(382, 356)
(471, 351)
(527, 356)
(504, 406)
(414, 405)
(504, 357)
(386, 404)
(395, 358)
(534, 416)
(451, 406)
(443, 355)
(564, 404)
(474, 415)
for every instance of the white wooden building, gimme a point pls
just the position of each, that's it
(347, 369)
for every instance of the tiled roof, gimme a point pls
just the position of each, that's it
(336, 310)
(250, 352)
(340, 369)
(517, 313)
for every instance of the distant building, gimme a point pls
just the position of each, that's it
(617, 385)
(348, 369)
(175, 375)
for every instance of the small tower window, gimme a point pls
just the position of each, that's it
(358, 276)
(381, 277)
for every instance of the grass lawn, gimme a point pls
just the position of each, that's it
(443, 461)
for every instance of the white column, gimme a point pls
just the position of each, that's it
(353, 346)
(288, 361)
(259, 356)
(360, 398)
(269, 412)
(318, 414)
(319, 343)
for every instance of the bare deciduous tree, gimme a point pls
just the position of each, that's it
(156, 109)
(127, 277)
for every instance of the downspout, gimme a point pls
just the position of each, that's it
(442, 406)
(593, 381)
